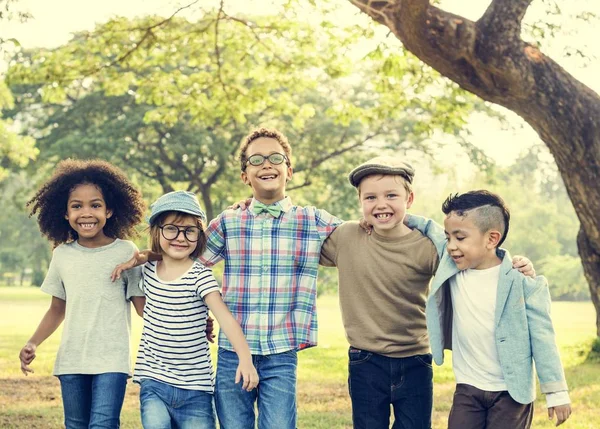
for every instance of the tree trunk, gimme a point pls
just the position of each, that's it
(207, 203)
(489, 59)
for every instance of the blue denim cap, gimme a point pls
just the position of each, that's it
(177, 201)
(386, 165)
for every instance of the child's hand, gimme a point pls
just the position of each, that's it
(242, 204)
(366, 226)
(210, 329)
(524, 265)
(26, 356)
(138, 258)
(247, 373)
(562, 413)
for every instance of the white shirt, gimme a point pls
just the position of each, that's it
(474, 356)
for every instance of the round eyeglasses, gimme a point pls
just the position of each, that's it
(171, 232)
(274, 158)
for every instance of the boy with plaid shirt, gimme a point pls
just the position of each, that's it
(271, 253)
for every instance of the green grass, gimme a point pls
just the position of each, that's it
(34, 401)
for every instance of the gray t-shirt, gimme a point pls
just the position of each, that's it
(97, 324)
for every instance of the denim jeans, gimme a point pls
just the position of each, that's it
(93, 401)
(164, 406)
(376, 381)
(275, 395)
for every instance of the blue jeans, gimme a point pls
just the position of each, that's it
(275, 395)
(376, 381)
(92, 401)
(164, 406)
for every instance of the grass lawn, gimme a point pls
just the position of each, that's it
(34, 401)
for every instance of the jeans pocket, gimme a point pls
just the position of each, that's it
(358, 356)
(425, 360)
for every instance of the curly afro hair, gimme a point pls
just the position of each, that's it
(50, 202)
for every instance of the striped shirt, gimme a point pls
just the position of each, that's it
(270, 276)
(173, 348)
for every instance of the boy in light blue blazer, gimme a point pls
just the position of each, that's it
(496, 320)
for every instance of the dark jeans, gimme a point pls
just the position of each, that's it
(473, 408)
(376, 381)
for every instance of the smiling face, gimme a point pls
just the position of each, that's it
(384, 201)
(87, 214)
(179, 248)
(267, 180)
(468, 246)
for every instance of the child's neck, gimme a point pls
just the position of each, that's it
(171, 269)
(97, 241)
(270, 198)
(492, 260)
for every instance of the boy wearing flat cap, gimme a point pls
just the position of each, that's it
(383, 286)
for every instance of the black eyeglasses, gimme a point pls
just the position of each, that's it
(274, 158)
(171, 232)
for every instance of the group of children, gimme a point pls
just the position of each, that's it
(494, 318)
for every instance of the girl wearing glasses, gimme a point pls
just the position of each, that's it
(173, 364)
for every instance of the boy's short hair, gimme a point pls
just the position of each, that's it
(488, 209)
(271, 133)
(385, 166)
(159, 220)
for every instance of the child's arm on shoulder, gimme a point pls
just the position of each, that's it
(430, 229)
(543, 347)
(215, 242)
(138, 258)
(49, 323)
(233, 331)
(326, 223)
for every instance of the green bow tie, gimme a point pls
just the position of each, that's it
(274, 209)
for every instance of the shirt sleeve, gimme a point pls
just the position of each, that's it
(132, 279)
(555, 399)
(206, 283)
(215, 242)
(543, 342)
(53, 284)
(430, 229)
(329, 250)
(326, 223)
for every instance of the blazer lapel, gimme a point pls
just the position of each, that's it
(504, 284)
(446, 269)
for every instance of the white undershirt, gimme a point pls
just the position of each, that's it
(474, 356)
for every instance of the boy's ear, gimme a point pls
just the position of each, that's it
(410, 200)
(244, 178)
(494, 237)
(290, 172)
(109, 213)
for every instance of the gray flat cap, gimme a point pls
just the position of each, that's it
(387, 165)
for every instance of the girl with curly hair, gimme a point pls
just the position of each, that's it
(86, 209)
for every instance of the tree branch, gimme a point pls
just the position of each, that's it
(504, 17)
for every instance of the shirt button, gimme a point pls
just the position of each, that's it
(265, 269)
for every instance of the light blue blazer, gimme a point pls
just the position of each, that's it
(524, 331)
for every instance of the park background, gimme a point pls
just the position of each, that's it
(166, 90)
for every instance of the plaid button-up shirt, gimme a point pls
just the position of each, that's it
(270, 276)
